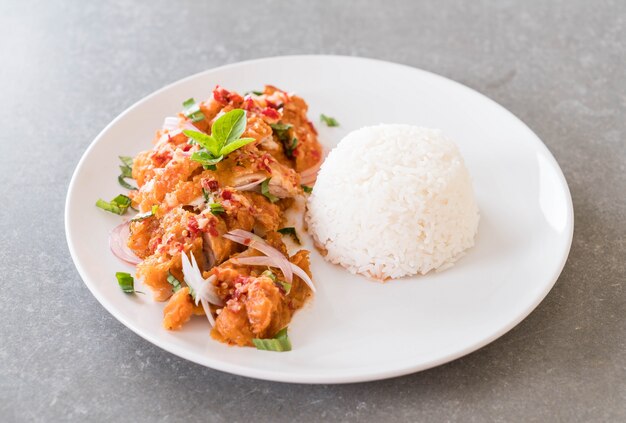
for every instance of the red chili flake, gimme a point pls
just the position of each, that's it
(220, 94)
(271, 104)
(312, 127)
(154, 243)
(161, 157)
(270, 113)
(249, 105)
(224, 96)
(192, 225)
(210, 184)
(264, 163)
(211, 228)
(186, 147)
(227, 195)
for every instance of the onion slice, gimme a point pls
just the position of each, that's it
(117, 242)
(170, 123)
(203, 288)
(253, 241)
(268, 261)
(249, 186)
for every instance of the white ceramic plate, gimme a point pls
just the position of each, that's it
(355, 329)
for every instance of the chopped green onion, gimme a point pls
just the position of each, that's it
(191, 109)
(141, 216)
(118, 205)
(286, 286)
(281, 130)
(171, 279)
(216, 208)
(205, 194)
(278, 343)
(329, 121)
(126, 282)
(127, 172)
(256, 92)
(269, 274)
(290, 231)
(307, 189)
(265, 190)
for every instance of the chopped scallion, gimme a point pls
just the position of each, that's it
(216, 208)
(329, 121)
(191, 109)
(265, 190)
(290, 231)
(126, 282)
(118, 205)
(307, 189)
(278, 343)
(171, 279)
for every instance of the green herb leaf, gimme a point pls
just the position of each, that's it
(127, 160)
(191, 109)
(206, 159)
(125, 184)
(281, 130)
(255, 92)
(126, 282)
(127, 172)
(279, 343)
(216, 208)
(307, 189)
(118, 205)
(290, 231)
(229, 127)
(286, 286)
(268, 273)
(206, 141)
(205, 194)
(234, 145)
(329, 121)
(171, 279)
(265, 190)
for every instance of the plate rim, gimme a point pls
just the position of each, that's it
(287, 377)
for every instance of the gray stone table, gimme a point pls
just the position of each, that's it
(67, 68)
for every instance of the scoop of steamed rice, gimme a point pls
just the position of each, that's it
(392, 201)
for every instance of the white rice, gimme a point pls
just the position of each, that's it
(392, 201)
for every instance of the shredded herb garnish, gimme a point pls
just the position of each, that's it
(191, 109)
(290, 231)
(224, 138)
(307, 189)
(127, 172)
(171, 279)
(265, 190)
(281, 130)
(278, 343)
(118, 205)
(329, 121)
(126, 282)
(269, 274)
(216, 208)
(205, 194)
(141, 216)
(255, 92)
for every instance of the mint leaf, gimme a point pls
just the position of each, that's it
(191, 109)
(234, 145)
(206, 141)
(265, 190)
(229, 127)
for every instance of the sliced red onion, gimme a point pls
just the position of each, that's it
(203, 288)
(253, 241)
(249, 186)
(117, 242)
(170, 123)
(268, 261)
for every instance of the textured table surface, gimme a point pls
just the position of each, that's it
(68, 68)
